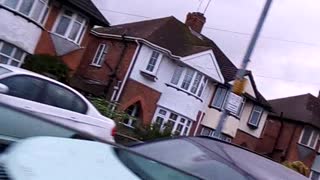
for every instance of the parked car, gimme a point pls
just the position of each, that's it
(51, 99)
(210, 158)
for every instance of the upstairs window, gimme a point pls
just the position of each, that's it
(211, 133)
(71, 26)
(10, 54)
(37, 10)
(100, 55)
(153, 62)
(189, 80)
(309, 137)
(255, 116)
(220, 97)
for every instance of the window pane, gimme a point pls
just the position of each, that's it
(63, 98)
(182, 120)
(179, 129)
(4, 59)
(219, 97)
(38, 10)
(159, 120)
(314, 138)
(173, 116)
(163, 112)
(74, 31)
(44, 14)
(202, 86)
(99, 54)
(254, 118)
(14, 63)
(206, 131)
(11, 3)
(196, 83)
(24, 87)
(315, 175)
(185, 131)
(187, 79)
(177, 74)
(306, 135)
(18, 54)
(63, 25)
(7, 49)
(26, 6)
(152, 61)
(81, 34)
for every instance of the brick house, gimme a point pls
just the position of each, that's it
(52, 27)
(166, 71)
(291, 133)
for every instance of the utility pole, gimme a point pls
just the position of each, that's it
(239, 84)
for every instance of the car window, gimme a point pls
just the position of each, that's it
(61, 97)
(4, 70)
(25, 87)
(191, 158)
(149, 169)
(16, 125)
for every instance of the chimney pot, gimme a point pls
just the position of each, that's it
(196, 21)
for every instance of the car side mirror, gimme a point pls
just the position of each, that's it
(4, 89)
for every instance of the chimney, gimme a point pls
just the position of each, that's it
(195, 21)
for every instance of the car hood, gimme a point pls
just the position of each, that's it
(49, 158)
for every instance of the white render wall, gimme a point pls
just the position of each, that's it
(245, 117)
(18, 31)
(177, 101)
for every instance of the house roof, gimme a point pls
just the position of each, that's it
(88, 7)
(175, 36)
(303, 108)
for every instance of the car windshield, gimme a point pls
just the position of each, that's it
(4, 70)
(150, 169)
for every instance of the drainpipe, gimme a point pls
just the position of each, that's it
(113, 75)
(135, 56)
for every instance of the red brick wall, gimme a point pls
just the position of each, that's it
(112, 58)
(245, 140)
(45, 44)
(137, 92)
(200, 117)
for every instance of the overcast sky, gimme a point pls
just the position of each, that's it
(286, 60)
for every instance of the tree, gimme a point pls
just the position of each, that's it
(51, 66)
(297, 166)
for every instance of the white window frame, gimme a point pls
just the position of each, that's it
(313, 133)
(42, 16)
(211, 134)
(156, 66)
(100, 56)
(259, 119)
(11, 56)
(176, 122)
(239, 113)
(203, 81)
(131, 120)
(73, 19)
(216, 97)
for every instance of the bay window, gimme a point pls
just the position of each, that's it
(309, 137)
(189, 80)
(71, 26)
(100, 55)
(205, 131)
(37, 10)
(255, 116)
(10, 54)
(179, 124)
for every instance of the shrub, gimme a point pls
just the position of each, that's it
(297, 166)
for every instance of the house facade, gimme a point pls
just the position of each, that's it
(292, 132)
(165, 71)
(54, 27)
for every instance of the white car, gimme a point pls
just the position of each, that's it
(53, 100)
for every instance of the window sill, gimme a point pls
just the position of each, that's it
(252, 126)
(149, 75)
(311, 148)
(126, 125)
(188, 93)
(96, 65)
(16, 13)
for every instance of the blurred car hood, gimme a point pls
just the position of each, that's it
(49, 158)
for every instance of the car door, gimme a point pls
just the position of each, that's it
(24, 92)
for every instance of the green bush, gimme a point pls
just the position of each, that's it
(51, 66)
(297, 166)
